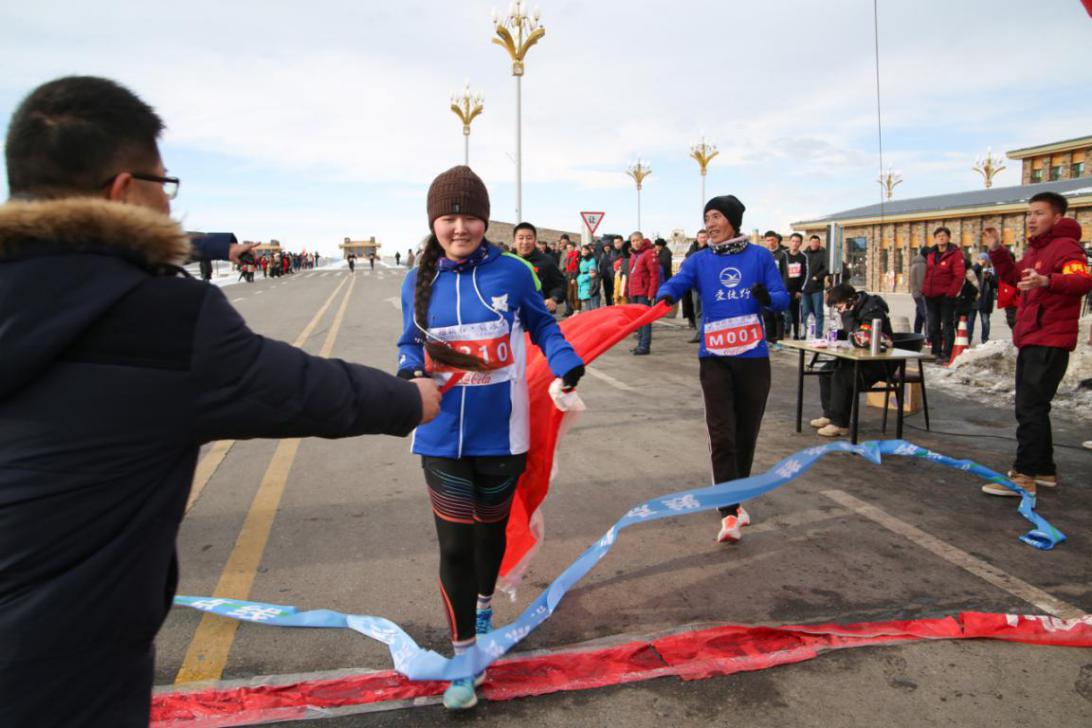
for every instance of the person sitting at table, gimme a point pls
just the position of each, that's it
(857, 309)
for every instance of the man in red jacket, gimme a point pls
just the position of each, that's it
(944, 271)
(644, 279)
(1052, 277)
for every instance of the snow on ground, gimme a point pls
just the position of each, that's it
(989, 370)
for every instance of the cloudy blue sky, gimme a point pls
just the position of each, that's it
(309, 122)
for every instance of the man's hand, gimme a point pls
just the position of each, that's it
(1032, 280)
(551, 305)
(666, 299)
(236, 250)
(798, 294)
(430, 398)
(760, 294)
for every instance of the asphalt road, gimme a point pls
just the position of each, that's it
(352, 531)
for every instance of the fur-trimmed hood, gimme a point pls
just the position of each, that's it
(88, 224)
(65, 263)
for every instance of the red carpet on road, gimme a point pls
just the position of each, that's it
(693, 655)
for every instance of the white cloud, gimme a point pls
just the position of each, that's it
(331, 116)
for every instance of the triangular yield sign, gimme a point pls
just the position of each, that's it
(592, 220)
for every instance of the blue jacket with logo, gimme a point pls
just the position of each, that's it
(732, 319)
(482, 306)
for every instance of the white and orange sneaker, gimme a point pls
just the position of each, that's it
(731, 526)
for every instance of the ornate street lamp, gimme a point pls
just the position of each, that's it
(703, 153)
(889, 180)
(639, 172)
(988, 167)
(467, 106)
(516, 33)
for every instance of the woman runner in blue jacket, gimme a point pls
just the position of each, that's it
(737, 283)
(465, 310)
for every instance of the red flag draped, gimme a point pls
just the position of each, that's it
(590, 334)
(1087, 6)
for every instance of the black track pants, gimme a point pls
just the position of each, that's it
(1039, 370)
(735, 391)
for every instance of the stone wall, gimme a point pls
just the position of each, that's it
(501, 232)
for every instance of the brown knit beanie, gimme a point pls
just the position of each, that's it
(458, 191)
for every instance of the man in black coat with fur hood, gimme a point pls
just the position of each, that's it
(115, 369)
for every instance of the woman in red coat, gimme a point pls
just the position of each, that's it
(944, 271)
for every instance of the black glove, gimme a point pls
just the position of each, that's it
(666, 299)
(761, 294)
(571, 378)
(410, 374)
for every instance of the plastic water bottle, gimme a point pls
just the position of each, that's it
(811, 327)
(832, 335)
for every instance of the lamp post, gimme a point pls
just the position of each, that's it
(639, 172)
(889, 180)
(988, 167)
(703, 153)
(466, 106)
(516, 33)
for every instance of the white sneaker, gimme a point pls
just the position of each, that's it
(731, 526)
(820, 422)
(833, 430)
(1087, 444)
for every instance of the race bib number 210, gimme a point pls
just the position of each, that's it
(489, 341)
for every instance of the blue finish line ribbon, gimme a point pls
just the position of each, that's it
(419, 664)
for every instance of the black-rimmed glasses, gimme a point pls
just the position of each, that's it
(170, 184)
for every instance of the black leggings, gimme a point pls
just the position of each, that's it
(735, 390)
(471, 498)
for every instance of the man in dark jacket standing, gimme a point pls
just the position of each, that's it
(812, 300)
(664, 257)
(987, 291)
(944, 275)
(917, 280)
(525, 241)
(1052, 278)
(606, 270)
(775, 320)
(115, 370)
(694, 297)
(794, 271)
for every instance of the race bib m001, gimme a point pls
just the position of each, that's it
(733, 336)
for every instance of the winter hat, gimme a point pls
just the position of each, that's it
(730, 207)
(458, 191)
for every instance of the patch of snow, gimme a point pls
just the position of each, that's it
(990, 369)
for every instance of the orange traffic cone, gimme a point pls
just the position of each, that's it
(961, 341)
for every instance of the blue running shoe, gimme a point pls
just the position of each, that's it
(460, 695)
(484, 622)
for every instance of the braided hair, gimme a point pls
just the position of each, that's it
(440, 351)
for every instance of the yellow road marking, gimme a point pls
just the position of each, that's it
(208, 651)
(208, 465)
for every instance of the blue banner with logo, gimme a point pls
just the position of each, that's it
(419, 664)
